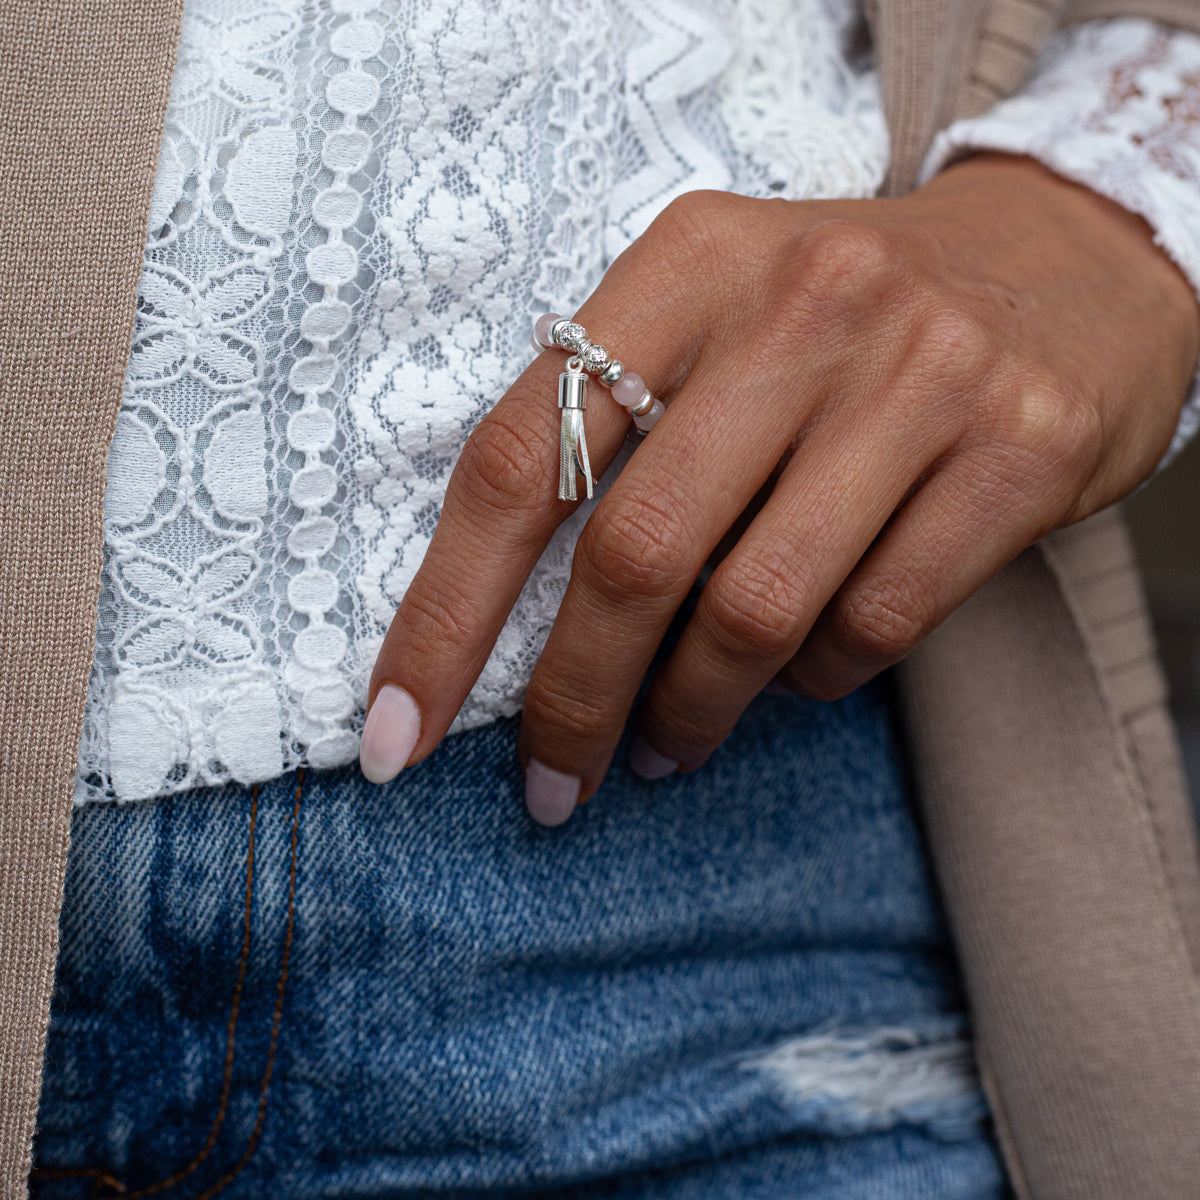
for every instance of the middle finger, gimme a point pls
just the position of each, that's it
(642, 549)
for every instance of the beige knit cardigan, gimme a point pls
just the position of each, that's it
(1047, 766)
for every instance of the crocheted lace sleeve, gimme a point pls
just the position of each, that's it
(1113, 105)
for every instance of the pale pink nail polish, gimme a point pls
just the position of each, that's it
(550, 795)
(392, 728)
(645, 761)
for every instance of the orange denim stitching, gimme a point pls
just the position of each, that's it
(227, 1078)
(227, 1179)
(102, 1178)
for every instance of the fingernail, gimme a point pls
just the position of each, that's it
(645, 761)
(392, 728)
(550, 795)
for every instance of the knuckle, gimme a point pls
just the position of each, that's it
(1046, 435)
(879, 624)
(564, 713)
(707, 238)
(631, 549)
(1056, 426)
(755, 608)
(696, 221)
(846, 260)
(505, 467)
(436, 616)
(953, 340)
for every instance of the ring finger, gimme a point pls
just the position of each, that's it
(763, 598)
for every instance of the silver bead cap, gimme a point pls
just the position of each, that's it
(572, 389)
(611, 374)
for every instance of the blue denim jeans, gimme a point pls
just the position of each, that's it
(733, 983)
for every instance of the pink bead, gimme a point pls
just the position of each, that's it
(629, 390)
(649, 420)
(541, 331)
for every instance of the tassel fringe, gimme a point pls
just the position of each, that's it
(573, 454)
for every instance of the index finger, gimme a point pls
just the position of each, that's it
(500, 511)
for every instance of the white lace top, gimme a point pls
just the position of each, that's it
(360, 207)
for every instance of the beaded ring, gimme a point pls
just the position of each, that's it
(588, 358)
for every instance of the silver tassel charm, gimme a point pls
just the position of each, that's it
(572, 446)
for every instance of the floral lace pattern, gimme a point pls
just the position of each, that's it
(180, 642)
(1114, 105)
(479, 241)
(360, 206)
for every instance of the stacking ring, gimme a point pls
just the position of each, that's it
(627, 387)
(588, 358)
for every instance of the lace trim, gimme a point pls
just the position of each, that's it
(314, 673)
(178, 645)
(813, 132)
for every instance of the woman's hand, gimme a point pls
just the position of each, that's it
(903, 393)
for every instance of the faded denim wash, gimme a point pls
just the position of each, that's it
(435, 997)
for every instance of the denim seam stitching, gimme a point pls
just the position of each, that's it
(102, 1179)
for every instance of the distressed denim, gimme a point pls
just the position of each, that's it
(732, 983)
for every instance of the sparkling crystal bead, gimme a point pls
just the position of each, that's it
(571, 336)
(595, 358)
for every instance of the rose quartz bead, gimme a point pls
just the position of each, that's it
(541, 331)
(649, 420)
(629, 390)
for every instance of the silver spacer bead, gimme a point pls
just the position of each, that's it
(612, 373)
(643, 406)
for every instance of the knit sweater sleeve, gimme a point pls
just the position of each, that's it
(1113, 105)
